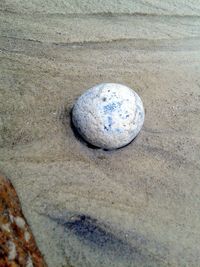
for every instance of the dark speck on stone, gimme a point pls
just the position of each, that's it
(111, 107)
(110, 121)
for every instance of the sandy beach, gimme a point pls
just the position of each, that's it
(136, 206)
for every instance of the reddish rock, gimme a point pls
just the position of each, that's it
(17, 244)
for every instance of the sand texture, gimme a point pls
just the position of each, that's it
(138, 206)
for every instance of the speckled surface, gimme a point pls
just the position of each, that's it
(138, 206)
(17, 244)
(108, 115)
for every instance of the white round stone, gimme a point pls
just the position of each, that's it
(109, 115)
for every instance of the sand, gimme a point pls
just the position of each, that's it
(137, 206)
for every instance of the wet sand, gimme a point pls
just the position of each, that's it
(137, 206)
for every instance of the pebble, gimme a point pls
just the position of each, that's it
(108, 115)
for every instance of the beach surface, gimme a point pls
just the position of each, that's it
(136, 206)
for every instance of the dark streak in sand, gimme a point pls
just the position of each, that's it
(97, 235)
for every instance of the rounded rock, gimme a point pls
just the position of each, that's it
(108, 115)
